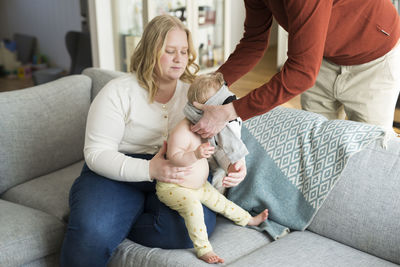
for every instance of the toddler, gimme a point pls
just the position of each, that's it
(186, 148)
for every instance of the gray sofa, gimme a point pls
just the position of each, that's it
(41, 140)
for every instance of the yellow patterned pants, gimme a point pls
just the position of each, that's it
(188, 202)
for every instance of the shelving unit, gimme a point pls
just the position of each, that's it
(207, 20)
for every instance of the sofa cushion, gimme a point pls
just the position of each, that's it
(100, 77)
(229, 241)
(309, 250)
(48, 193)
(42, 128)
(27, 234)
(52, 260)
(363, 210)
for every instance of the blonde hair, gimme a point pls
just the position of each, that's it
(146, 56)
(205, 86)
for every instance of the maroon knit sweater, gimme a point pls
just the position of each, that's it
(345, 32)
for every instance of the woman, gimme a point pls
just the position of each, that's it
(128, 122)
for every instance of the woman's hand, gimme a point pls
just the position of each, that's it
(204, 150)
(163, 170)
(214, 119)
(236, 174)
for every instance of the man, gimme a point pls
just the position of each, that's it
(340, 52)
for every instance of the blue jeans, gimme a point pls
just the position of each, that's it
(104, 212)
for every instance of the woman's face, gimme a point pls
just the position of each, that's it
(174, 58)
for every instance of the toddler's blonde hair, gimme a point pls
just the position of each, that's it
(205, 86)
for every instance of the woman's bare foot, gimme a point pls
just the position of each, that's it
(256, 220)
(211, 257)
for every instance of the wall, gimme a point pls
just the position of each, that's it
(237, 19)
(47, 20)
(101, 33)
(237, 25)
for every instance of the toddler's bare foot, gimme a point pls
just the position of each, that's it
(211, 257)
(256, 220)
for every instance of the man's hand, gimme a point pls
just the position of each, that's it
(214, 119)
(236, 174)
(163, 170)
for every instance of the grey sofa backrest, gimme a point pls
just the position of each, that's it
(363, 210)
(42, 128)
(100, 77)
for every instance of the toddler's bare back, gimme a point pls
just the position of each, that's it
(200, 168)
